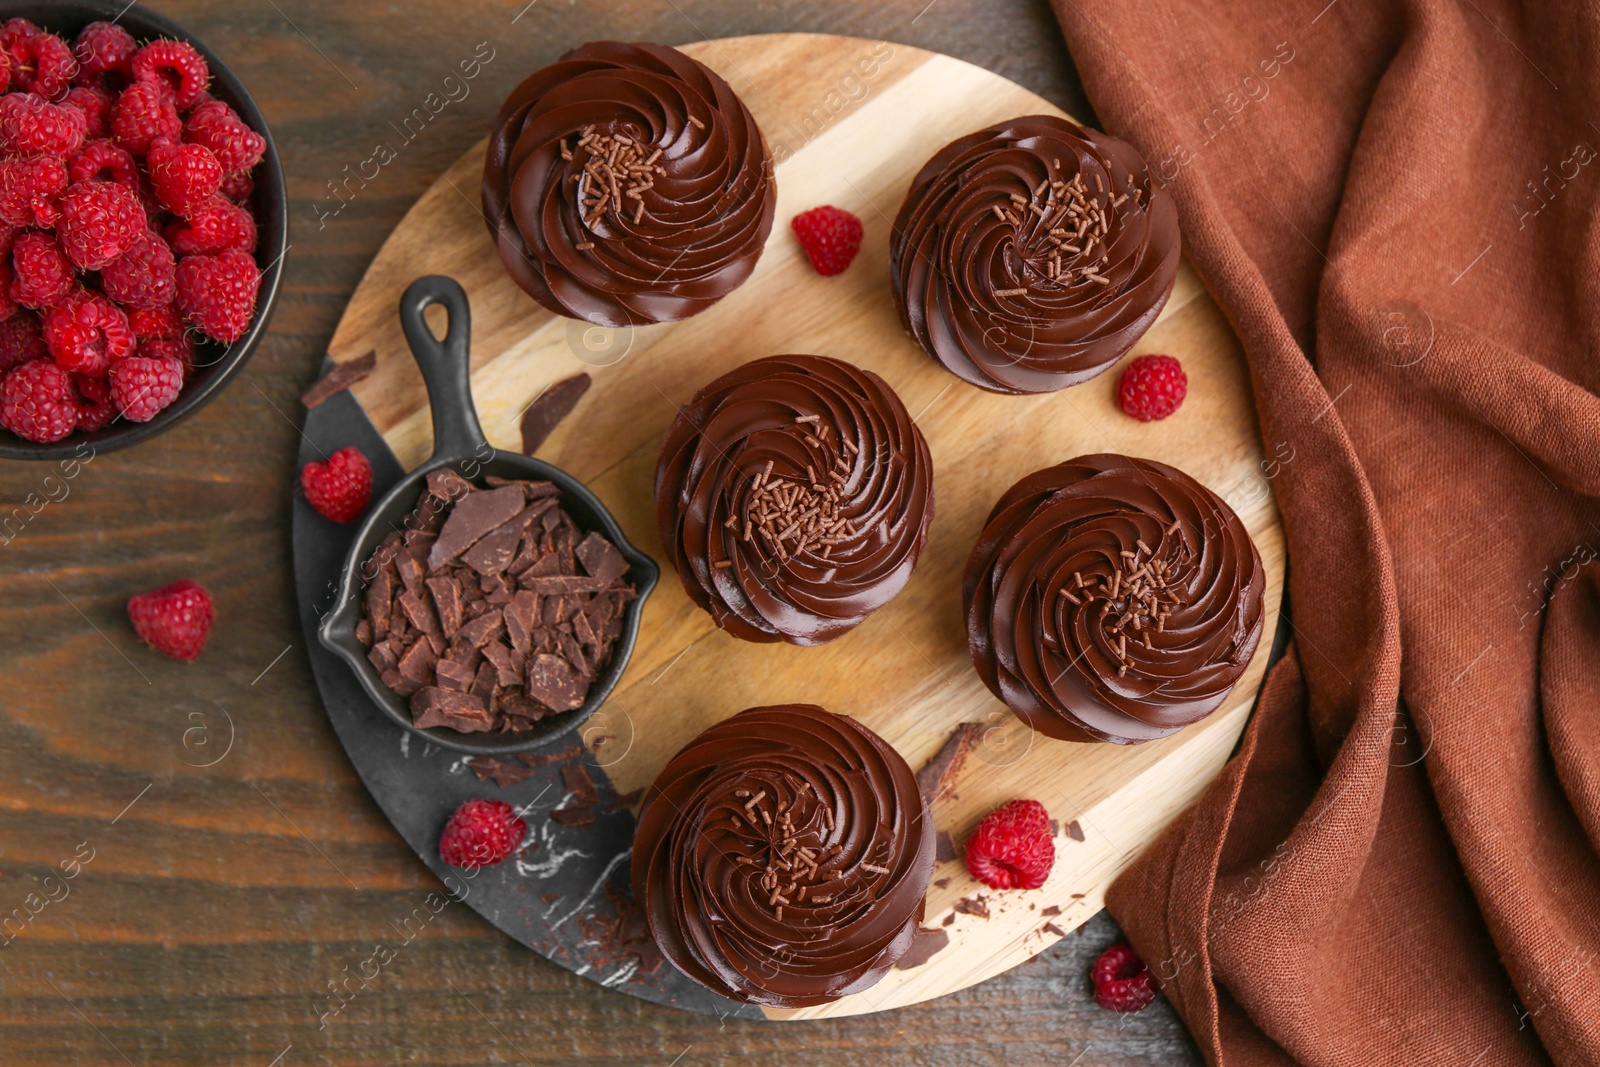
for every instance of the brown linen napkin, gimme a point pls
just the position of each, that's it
(1395, 204)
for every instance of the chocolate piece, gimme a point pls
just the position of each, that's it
(627, 184)
(432, 706)
(578, 816)
(1075, 831)
(1112, 599)
(416, 665)
(940, 883)
(924, 946)
(364, 632)
(481, 630)
(784, 826)
(973, 906)
(553, 683)
(339, 377)
(575, 776)
(418, 613)
(444, 487)
(473, 515)
(600, 559)
(506, 667)
(382, 657)
(947, 850)
(1031, 255)
(453, 675)
(1052, 928)
(1054, 909)
(410, 572)
(937, 779)
(549, 408)
(495, 550)
(502, 772)
(794, 495)
(560, 583)
(446, 603)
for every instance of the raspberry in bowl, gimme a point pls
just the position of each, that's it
(143, 221)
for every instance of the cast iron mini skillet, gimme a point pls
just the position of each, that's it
(458, 442)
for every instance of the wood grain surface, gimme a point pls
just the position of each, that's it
(905, 672)
(237, 872)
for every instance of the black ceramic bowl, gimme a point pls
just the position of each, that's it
(216, 363)
(458, 443)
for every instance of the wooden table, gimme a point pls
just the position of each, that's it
(236, 868)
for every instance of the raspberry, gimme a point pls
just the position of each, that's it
(99, 222)
(145, 276)
(218, 127)
(340, 488)
(1012, 848)
(8, 306)
(175, 619)
(32, 126)
(1121, 980)
(43, 274)
(5, 71)
(142, 113)
(42, 63)
(15, 31)
(176, 65)
(238, 187)
(87, 334)
(102, 158)
(21, 340)
(158, 323)
(481, 833)
(95, 406)
(218, 225)
(96, 107)
(183, 176)
(103, 48)
(142, 385)
(37, 402)
(830, 236)
(29, 189)
(180, 348)
(1152, 387)
(218, 293)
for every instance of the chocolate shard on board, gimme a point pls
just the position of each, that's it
(549, 408)
(502, 772)
(575, 776)
(925, 944)
(340, 377)
(473, 515)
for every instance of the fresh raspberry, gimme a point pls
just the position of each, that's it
(96, 107)
(5, 70)
(87, 333)
(32, 126)
(43, 273)
(480, 834)
(1122, 982)
(218, 293)
(37, 403)
(142, 113)
(158, 323)
(176, 65)
(99, 222)
(104, 48)
(29, 189)
(175, 619)
(104, 159)
(183, 176)
(218, 225)
(218, 127)
(42, 63)
(13, 31)
(145, 276)
(142, 386)
(830, 236)
(340, 488)
(21, 340)
(95, 406)
(180, 348)
(1152, 387)
(8, 306)
(238, 187)
(1012, 848)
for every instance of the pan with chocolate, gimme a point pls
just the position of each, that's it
(783, 855)
(490, 601)
(795, 495)
(1112, 599)
(1031, 255)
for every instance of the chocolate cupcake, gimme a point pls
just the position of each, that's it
(627, 184)
(782, 857)
(1112, 599)
(1031, 255)
(794, 495)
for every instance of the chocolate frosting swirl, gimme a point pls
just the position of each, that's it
(794, 495)
(1031, 255)
(1112, 599)
(627, 184)
(782, 857)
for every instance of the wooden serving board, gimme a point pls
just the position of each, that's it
(849, 122)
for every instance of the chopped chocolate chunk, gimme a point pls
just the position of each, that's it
(481, 630)
(416, 665)
(937, 779)
(418, 613)
(410, 572)
(601, 559)
(553, 683)
(502, 772)
(940, 883)
(560, 583)
(549, 408)
(453, 675)
(945, 847)
(1075, 831)
(973, 906)
(1052, 928)
(495, 550)
(339, 377)
(364, 632)
(521, 706)
(579, 816)
(925, 943)
(949, 920)
(506, 666)
(575, 776)
(473, 515)
(432, 706)
(446, 603)
(1054, 909)
(520, 616)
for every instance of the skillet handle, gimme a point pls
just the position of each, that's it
(445, 365)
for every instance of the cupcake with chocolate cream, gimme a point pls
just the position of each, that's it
(1031, 255)
(627, 184)
(794, 495)
(1112, 599)
(782, 857)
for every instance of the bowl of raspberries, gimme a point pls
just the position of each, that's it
(143, 222)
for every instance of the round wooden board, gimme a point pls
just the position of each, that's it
(849, 122)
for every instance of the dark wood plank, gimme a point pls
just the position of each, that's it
(217, 908)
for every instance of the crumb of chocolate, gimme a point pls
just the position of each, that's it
(1075, 831)
(1052, 928)
(502, 772)
(1054, 909)
(977, 905)
(941, 883)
